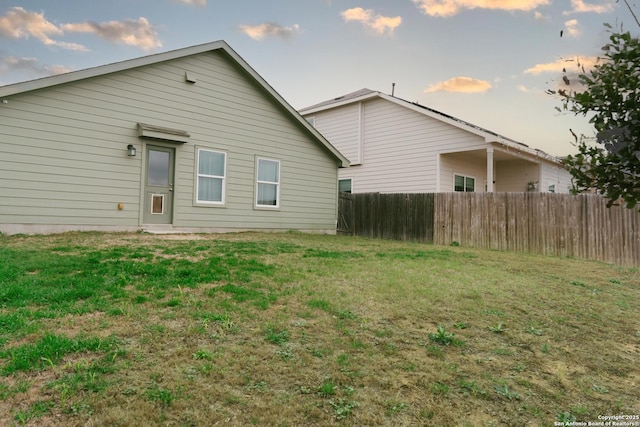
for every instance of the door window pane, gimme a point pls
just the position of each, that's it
(158, 173)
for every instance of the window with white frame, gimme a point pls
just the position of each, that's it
(268, 183)
(211, 177)
(345, 185)
(464, 183)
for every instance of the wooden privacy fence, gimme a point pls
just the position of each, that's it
(544, 223)
(387, 216)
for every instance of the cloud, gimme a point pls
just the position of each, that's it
(451, 7)
(565, 73)
(378, 23)
(56, 69)
(258, 32)
(576, 63)
(30, 65)
(524, 89)
(539, 16)
(461, 85)
(139, 33)
(571, 27)
(19, 23)
(579, 6)
(201, 3)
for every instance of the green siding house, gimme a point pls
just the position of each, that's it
(191, 140)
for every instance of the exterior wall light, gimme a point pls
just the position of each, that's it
(131, 150)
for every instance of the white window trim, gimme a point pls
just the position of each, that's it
(465, 177)
(348, 178)
(154, 195)
(198, 175)
(258, 182)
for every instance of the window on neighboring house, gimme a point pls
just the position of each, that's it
(464, 183)
(345, 185)
(268, 183)
(210, 186)
(552, 188)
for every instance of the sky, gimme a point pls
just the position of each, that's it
(488, 62)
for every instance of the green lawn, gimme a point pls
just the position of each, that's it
(294, 330)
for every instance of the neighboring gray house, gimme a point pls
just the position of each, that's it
(397, 146)
(189, 140)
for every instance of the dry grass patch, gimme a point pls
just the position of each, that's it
(292, 329)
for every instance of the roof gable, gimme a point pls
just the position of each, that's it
(46, 82)
(367, 94)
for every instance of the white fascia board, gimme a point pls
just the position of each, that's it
(476, 147)
(307, 111)
(535, 156)
(526, 152)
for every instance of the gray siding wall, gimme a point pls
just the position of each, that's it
(63, 158)
(400, 147)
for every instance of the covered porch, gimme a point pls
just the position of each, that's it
(490, 169)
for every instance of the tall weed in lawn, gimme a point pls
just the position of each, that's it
(49, 350)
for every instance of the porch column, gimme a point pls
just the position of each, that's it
(489, 169)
